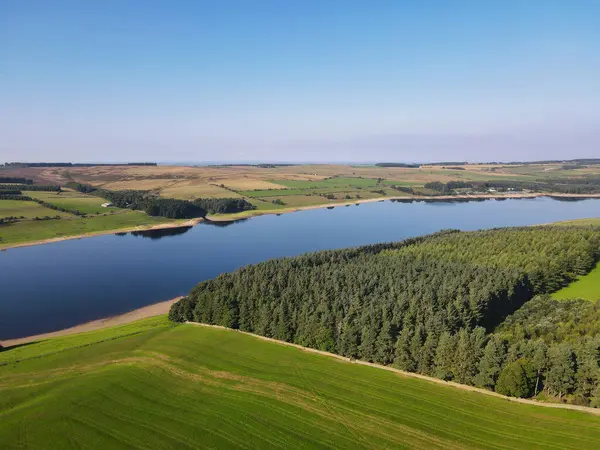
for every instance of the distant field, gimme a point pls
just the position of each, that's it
(190, 190)
(292, 182)
(87, 204)
(139, 184)
(244, 183)
(152, 384)
(30, 230)
(28, 210)
(286, 192)
(586, 287)
(335, 182)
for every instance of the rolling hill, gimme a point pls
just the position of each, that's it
(157, 384)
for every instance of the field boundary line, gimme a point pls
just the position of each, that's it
(584, 409)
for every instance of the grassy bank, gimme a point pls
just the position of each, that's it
(155, 384)
(586, 288)
(39, 231)
(33, 223)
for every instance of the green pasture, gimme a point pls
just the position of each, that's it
(87, 204)
(335, 182)
(152, 384)
(296, 192)
(34, 230)
(586, 287)
(27, 210)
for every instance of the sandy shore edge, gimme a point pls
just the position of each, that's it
(156, 309)
(162, 226)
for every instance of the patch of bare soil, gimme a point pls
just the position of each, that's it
(147, 311)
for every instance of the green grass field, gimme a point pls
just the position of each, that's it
(152, 384)
(594, 222)
(586, 287)
(87, 204)
(28, 210)
(26, 231)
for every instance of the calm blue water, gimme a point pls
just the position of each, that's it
(53, 286)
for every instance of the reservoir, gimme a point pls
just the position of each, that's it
(53, 286)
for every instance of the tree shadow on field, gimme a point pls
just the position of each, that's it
(13, 347)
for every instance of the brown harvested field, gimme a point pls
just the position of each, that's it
(192, 189)
(238, 177)
(139, 185)
(247, 183)
(252, 177)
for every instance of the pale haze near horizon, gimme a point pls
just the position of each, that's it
(326, 81)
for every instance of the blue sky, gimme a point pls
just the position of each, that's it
(299, 80)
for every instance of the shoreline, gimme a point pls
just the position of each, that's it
(402, 198)
(163, 226)
(257, 213)
(144, 312)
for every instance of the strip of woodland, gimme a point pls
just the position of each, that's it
(436, 305)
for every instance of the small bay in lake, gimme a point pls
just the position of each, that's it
(49, 287)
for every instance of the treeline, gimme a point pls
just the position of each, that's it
(261, 166)
(68, 164)
(17, 195)
(405, 189)
(14, 196)
(145, 201)
(426, 305)
(447, 188)
(388, 164)
(75, 212)
(588, 185)
(27, 187)
(550, 347)
(224, 205)
(172, 208)
(152, 205)
(84, 188)
(559, 185)
(17, 180)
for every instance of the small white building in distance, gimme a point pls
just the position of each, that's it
(106, 205)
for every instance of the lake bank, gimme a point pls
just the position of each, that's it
(257, 213)
(163, 226)
(402, 198)
(156, 309)
(51, 287)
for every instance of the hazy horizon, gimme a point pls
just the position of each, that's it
(332, 81)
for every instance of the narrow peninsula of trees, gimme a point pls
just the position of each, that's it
(172, 208)
(434, 305)
(29, 187)
(224, 205)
